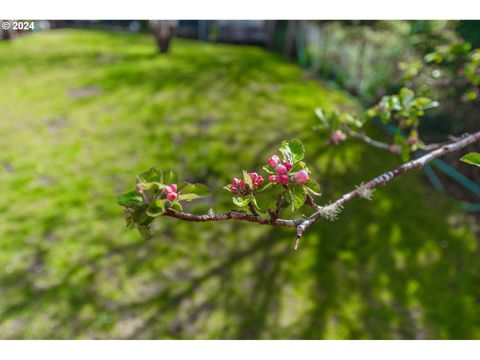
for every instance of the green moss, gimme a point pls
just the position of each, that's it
(82, 112)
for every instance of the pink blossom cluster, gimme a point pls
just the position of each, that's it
(338, 137)
(171, 192)
(283, 171)
(240, 186)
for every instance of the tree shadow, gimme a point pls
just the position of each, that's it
(404, 265)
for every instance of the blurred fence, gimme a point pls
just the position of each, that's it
(361, 59)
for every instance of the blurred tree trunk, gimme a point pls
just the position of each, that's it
(163, 31)
(270, 31)
(289, 49)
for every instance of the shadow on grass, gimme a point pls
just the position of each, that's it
(404, 265)
(385, 269)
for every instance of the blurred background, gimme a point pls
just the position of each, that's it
(87, 105)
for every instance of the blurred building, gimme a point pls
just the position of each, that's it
(226, 31)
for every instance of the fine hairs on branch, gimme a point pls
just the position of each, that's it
(331, 211)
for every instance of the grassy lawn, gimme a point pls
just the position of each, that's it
(82, 112)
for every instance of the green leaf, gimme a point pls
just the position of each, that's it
(471, 158)
(297, 196)
(240, 201)
(425, 103)
(385, 116)
(145, 232)
(298, 166)
(297, 150)
(140, 217)
(176, 206)
(267, 199)
(285, 150)
(193, 191)
(131, 198)
(471, 95)
(169, 177)
(434, 57)
(268, 169)
(292, 150)
(323, 119)
(313, 187)
(372, 112)
(156, 208)
(265, 186)
(182, 186)
(254, 202)
(151, 175)
(247, 179)
(407, 96)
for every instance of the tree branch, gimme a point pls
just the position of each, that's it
(394, 148)
(331, 210)
(231, 215)
(375, 143)
(383, 179)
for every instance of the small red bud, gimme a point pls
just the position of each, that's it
(173, 187)
(394, 149)
(232, 188)
(288, 165)
(283, 179)
(301, 177)
(337, 137)
(257, 180)
(273, 178)
(254, 176)
(167, 189)
(281, 169)
(273, 161)
(171, 196)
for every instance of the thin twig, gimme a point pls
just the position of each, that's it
(393, 148)
(375, 143)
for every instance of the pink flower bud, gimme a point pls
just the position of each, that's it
(139, 189)
(281, 169)
(235, 182)
(167, 189)
(337, 137)
(171, 196)
(232, 188)
(273, 161)
(394, 149)
(259, 181)
(301, 177)
(241, 184)
(413, 139)
(283, 179)
(273, 178)
(254, 176)
(288, 165)
(173, 187)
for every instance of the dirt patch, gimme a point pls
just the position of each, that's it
(83, 92)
